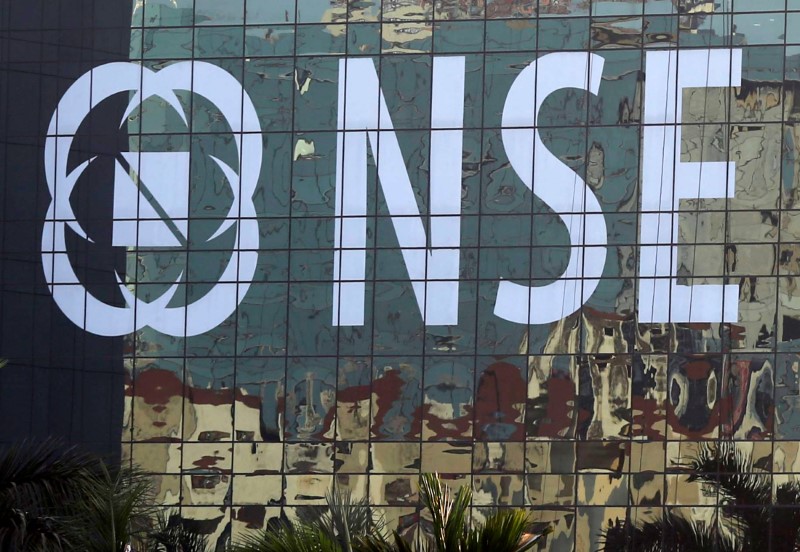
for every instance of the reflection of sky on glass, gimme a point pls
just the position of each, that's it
(760, 28)
(763, 5)
(792, 63)
(270, 11)
(630, 8)
(756, 28)
(614, 8)
(274, 11)
(312, 10)
(210, 12)
(720, 23)
(170, 3)
(623, 8)
(659, 7)
(276, 32)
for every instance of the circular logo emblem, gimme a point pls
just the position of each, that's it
(162, 171)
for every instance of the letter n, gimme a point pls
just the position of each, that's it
(432, 262)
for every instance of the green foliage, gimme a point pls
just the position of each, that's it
(54, 498)
(343, 519)
(172, 535)
(381, 543)
(345, 525)
(39, 484)
(502, 531)
(671, 532)
(348, 525)
(289, 537)
(453, 532)
(449, 514)
(114, 510)
(751, 516)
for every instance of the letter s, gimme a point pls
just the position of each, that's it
(557, 185)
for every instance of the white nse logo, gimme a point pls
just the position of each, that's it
(431, 252)
(151, 199)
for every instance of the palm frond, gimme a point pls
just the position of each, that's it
(745, 494)
(380, 543)
(669, 533)
(728, 468)
(21, 531)
(371, 543)
(43, 475)
(172, 535)
(344, 519)
(115, 510)
(39, 485)
(504, 531)
(288, 537)
(786, 518)
(449, 513)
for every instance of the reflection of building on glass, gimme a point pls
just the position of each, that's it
(308, 418)
(404, 22)
(311, 402)
(588, 414)
(448, 400)
(396, 402)
(500, 403)
(749, 408)
(186, 433)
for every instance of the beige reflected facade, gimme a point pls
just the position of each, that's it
(582, 421)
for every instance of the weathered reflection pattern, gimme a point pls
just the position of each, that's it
(577, 420)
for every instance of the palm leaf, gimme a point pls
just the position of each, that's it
(750, 513)
(786, 518)
(728, 468)
(345, 525)
(39, 486)
(115, 510)
(670, 533)
(172, 535)
(42, 475)
(21, 531)
(504, 531)
(380, 543)
(344, 519)
(288, 537)
(449, 514)
(745, 494)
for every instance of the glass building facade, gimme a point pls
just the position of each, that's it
(262, 248)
